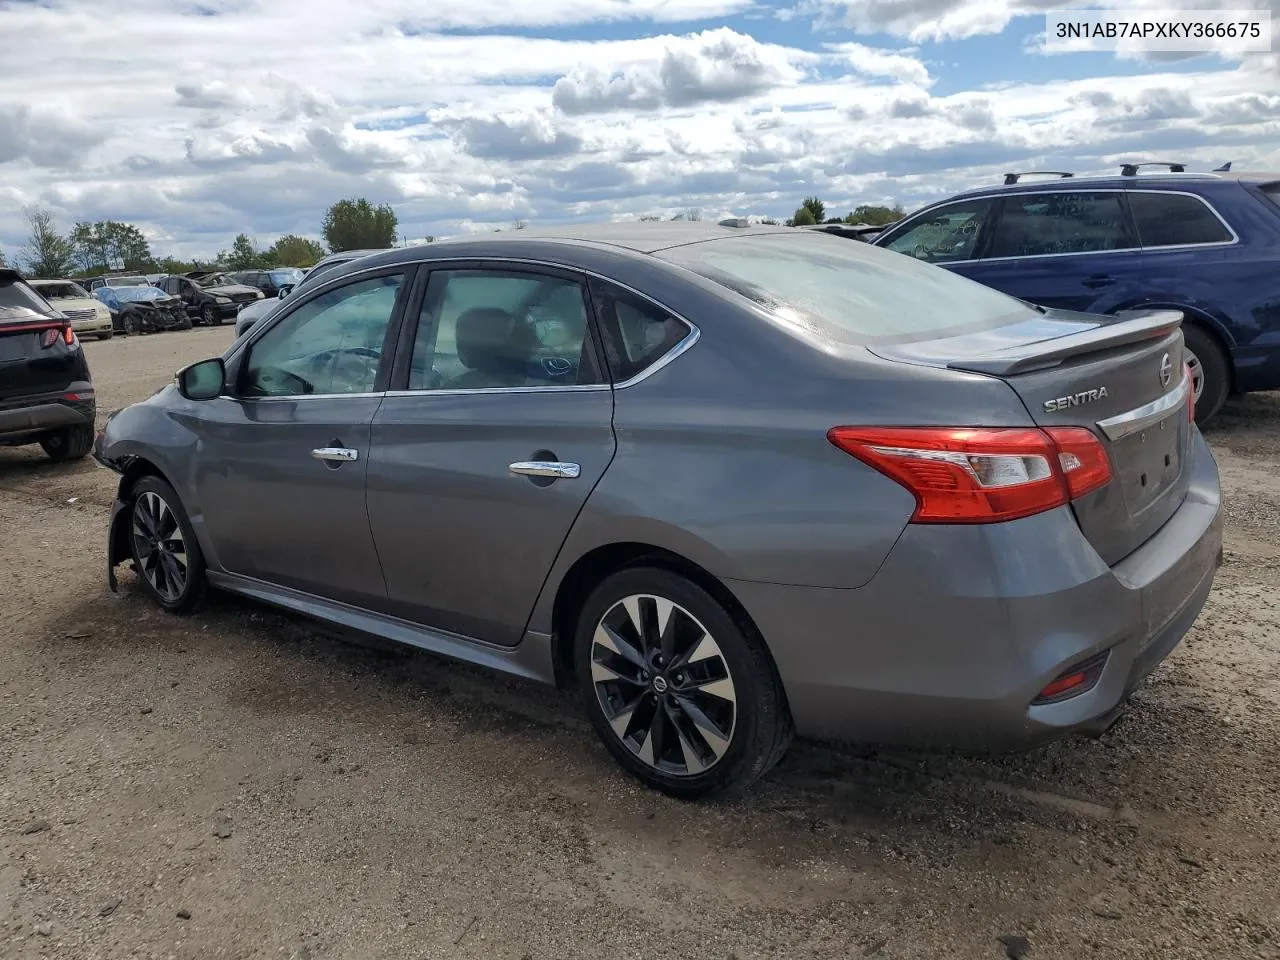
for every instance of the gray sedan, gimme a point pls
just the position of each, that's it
(730, 483)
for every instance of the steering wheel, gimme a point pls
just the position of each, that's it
(921, 252)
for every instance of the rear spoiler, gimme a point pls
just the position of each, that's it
(1129, 326)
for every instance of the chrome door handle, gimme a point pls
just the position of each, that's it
(340, 454)
(545, 468)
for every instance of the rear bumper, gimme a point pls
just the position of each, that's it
(962, 627)
(41, 414)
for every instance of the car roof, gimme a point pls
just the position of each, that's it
(1145, 181)
(638, 236)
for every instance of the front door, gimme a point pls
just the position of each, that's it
(282, 462)
(500, 426)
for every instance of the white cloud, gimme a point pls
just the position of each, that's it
(258, 116)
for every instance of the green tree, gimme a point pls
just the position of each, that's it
(110, 245)
(815, 207)
(47, 253)
(292, 250)
(803, 217)
(359, 225)
(244, 255)
(875, 216)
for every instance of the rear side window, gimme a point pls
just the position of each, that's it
(1272, 192)
(1175, 220)
(1044, 224)
(851, 292)
(637, 333)
(20, 302)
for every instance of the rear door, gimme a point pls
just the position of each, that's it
(498, 429)
(1074, 250)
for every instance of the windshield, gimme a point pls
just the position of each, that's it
(128, 282)
(129, 294)
(217, 280)
(1272, 192)
(59, 290)
(852, 292)
(285, 275)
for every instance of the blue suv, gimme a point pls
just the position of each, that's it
(1207, 244)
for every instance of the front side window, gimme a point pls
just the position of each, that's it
(330, 345)
(1175, 220)
(1046, 224)
(947, 235)
(494, 329)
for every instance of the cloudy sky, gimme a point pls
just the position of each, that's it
(198, 119)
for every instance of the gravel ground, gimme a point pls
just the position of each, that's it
(239, 784)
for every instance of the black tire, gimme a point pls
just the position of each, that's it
(209, 316)
(1213, 370)
(185, 598)
(106, 336)
(760, 729)
(129, 323)
(69, 443)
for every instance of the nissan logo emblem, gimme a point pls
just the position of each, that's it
(1166, 370)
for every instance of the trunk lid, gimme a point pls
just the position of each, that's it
(1122, 377)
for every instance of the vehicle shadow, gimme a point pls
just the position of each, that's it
(1171, 760)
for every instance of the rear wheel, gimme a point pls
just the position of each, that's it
(1210, 374)
(165, 552)
(685, 698)
(69, 443)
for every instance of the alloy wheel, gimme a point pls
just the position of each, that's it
(1197, 373)
(160, 546)
(663, 685)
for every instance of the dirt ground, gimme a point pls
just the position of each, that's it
(238, 784)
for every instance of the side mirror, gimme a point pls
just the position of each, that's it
(202, 381)
(285, 290)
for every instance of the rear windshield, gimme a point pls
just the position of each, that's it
(855, 292)
(20, 302)
(61, 290)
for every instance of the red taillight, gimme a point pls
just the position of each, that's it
(53, 334)
(981, 474)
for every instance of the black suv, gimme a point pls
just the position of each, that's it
(210, 298)
(270, 282)
(46, 393)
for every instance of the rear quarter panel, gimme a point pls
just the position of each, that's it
(723, 458)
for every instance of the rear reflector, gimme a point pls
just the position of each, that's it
(1078, 680)
(982, 474)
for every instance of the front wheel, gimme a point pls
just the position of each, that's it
(684, 696)
(106, 335)
(1210, 374)
(164, 547)
(209, 316)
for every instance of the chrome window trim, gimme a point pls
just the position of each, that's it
(1234, 241)
(683, 346)
(1139, 418)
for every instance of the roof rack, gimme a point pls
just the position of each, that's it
(1011, 178)
(1131, 169)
